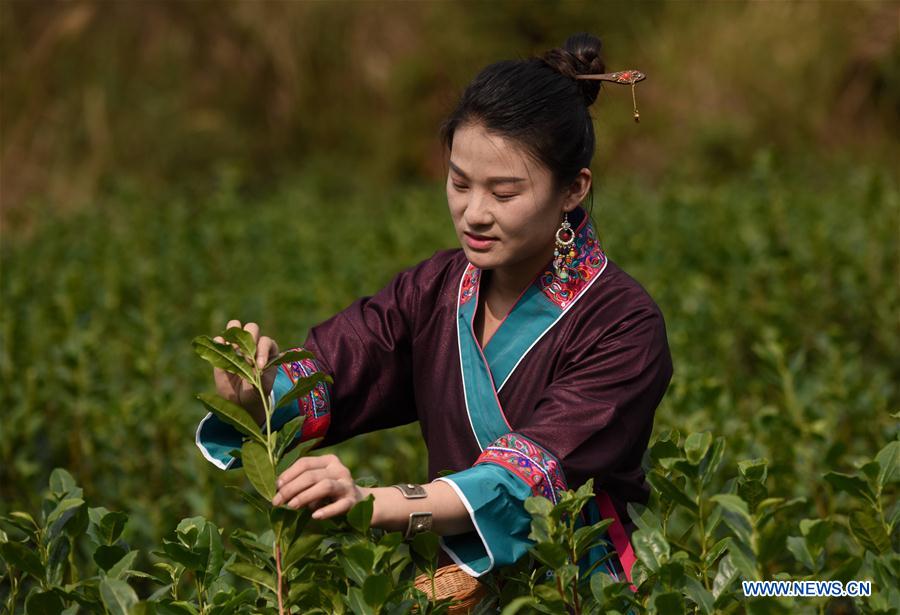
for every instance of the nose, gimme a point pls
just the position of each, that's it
(478, 214)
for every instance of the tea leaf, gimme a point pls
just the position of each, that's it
(302, 387)
(289, 356)
(117, 596)
(223, 356)
(232, 414)
(259, 469)
(360, 516)
(244, 341)
(869, 532)
(287, 433)
(889, 460)
(25, 559)
(253, 574)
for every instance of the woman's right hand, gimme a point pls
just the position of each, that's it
(237, 390)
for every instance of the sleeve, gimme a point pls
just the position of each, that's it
(593, 420)
(367, 350)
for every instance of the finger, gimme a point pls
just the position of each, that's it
(264, 347)
(298, 485)
(301, 465)
(233, 323)
(327, 488)
(253, 329)
(335, 508)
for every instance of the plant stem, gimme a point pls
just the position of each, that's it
(278, 572)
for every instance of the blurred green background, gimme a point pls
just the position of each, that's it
(168, 166)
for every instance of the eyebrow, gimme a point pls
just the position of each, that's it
(490, 180)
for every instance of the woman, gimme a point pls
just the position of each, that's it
(532, 361)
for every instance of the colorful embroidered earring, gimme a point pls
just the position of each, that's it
(565, 248)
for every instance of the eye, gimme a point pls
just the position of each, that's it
(459, 187)
(505, 197)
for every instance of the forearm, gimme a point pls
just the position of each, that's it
(449, 515)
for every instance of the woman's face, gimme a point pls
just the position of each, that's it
(501, 201)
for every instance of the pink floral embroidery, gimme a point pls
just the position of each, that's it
(580, 269)
(315, 405)
(532, 463)
(469, 283)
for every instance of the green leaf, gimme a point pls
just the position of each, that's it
(209, 544)
(295, 453)
(426, 544)
(232, 414)
(357, 561)
(518, 604)
(25, 559)
(754, 469)
(797, 546)
(854, 485)
(889, 460)
(696, 445)
(651, 547)
(360, 516)
(300, 548)
(743, 561)
(538, 506)
(244, 341)
(732, 503)
(357, 602)
(106, 556)
(287, 433)
(699, 594)
(302, 387)
(551, 554)
(43, 603)
(376, 589)
(669, 489)
(289, 356)
(869, 532)
(117, 596)
(122, 569)
(223, 356)
(61, 482)
(111, 526)
(669, 602)
(62, 507)
(253, 574)
(259, 469)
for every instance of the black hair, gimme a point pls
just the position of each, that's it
(538, 103)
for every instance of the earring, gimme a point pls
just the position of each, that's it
(565, 248)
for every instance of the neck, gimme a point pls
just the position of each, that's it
(507, 283)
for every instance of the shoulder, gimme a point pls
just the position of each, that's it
(618, 301)
(432, 281)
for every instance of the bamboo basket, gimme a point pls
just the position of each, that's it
(451, 582)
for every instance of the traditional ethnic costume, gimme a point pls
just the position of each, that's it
(565, 390)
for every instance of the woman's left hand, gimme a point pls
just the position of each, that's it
(322, 483)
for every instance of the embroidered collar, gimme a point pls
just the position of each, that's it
(587, 262)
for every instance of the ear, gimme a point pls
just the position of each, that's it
(577, 190)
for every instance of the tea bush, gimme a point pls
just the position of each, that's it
(780, 297)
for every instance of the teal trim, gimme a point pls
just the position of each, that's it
(485, 413)
(216, 438)
(529, 319)
(493, 496)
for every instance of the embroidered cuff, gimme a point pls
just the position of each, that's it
(216, 439)
(532, 463)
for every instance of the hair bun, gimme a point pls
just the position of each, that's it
(579, 55)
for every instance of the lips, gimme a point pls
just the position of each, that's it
(480, 237)
(479, 242)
